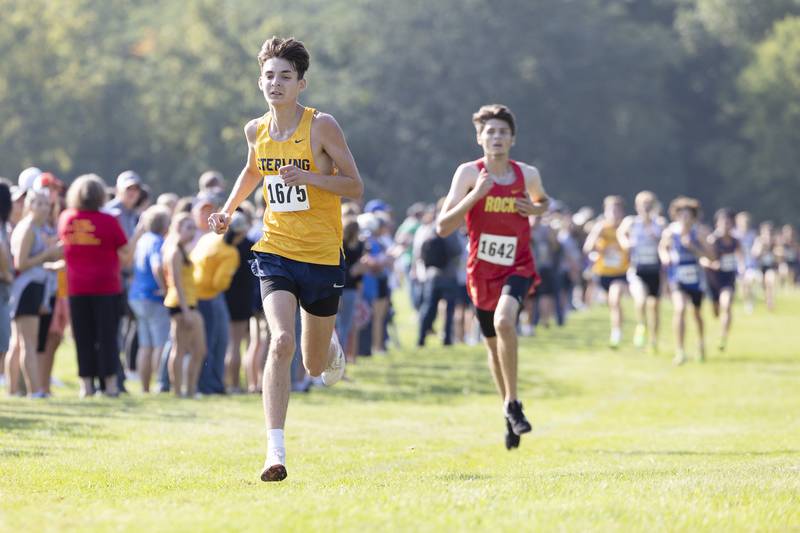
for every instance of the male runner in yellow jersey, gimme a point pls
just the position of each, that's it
(306, 167)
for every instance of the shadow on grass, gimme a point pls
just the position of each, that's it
(418, 382)
(40, 425)
(60, 419)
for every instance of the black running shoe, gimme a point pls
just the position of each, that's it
(512, 440)
(274, 473)
(516, 418)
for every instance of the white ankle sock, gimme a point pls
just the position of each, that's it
(275, 439)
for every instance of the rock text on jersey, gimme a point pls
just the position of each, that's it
(272, 164)
(500, 204)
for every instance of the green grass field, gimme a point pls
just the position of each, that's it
(621, 441)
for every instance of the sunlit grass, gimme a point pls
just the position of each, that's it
(622, 440)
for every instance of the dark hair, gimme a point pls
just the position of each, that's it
(184, 204)
(291, 50)
(144, 195)
(724, 212)
(498, 111)
(684, 202)
(350, 230)
(87, 193)
(5, 200)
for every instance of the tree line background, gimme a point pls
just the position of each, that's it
(698, 97)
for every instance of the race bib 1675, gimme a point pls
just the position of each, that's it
(283, 198)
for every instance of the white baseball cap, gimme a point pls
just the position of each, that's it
(129, 178)
(27, 177)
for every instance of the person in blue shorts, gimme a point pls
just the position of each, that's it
(682, 245)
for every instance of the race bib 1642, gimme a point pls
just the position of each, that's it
(497, 249)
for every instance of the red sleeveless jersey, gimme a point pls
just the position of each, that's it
(499, 241)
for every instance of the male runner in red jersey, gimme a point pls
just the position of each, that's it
(496, 196)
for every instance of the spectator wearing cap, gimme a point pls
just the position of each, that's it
(95, 249)
(215, 262)
(31, 248)
(53, 322)
(18, 192)
(375, 205)
(211, 180)
(376, 279)
(147, 290)
(123, 206)
(203, 205)
(239, 298)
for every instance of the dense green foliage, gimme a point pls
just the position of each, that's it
(681, 96)
(622, 441)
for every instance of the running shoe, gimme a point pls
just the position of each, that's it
(512, 439)
(679, 359)
(516, 418)
(336, 364)
(274, 465)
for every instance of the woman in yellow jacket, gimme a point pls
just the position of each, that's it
(186, 331)
(215, 259)
(610, 260)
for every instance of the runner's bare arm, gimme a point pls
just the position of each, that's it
(705, 249)
(710, 262)
(248, 180)
(591, 239)
(664, 246)
(623, 232)
(347, 182)
(464, 194)
(538, 201)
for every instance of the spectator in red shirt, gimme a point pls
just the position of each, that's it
(95, 249)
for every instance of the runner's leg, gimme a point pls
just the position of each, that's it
(316, 341)
(279, 308)
(505, 324)
(679, 325)
(726, 314)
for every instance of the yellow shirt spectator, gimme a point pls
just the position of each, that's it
(215, 263)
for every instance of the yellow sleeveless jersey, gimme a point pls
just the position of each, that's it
(302, 222)
(612, 259)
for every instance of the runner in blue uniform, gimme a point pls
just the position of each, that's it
(682, 245)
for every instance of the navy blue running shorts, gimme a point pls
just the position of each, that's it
(316, 287)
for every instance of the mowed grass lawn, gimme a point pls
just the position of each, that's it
(622, 441)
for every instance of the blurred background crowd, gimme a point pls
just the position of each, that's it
(149, 294)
